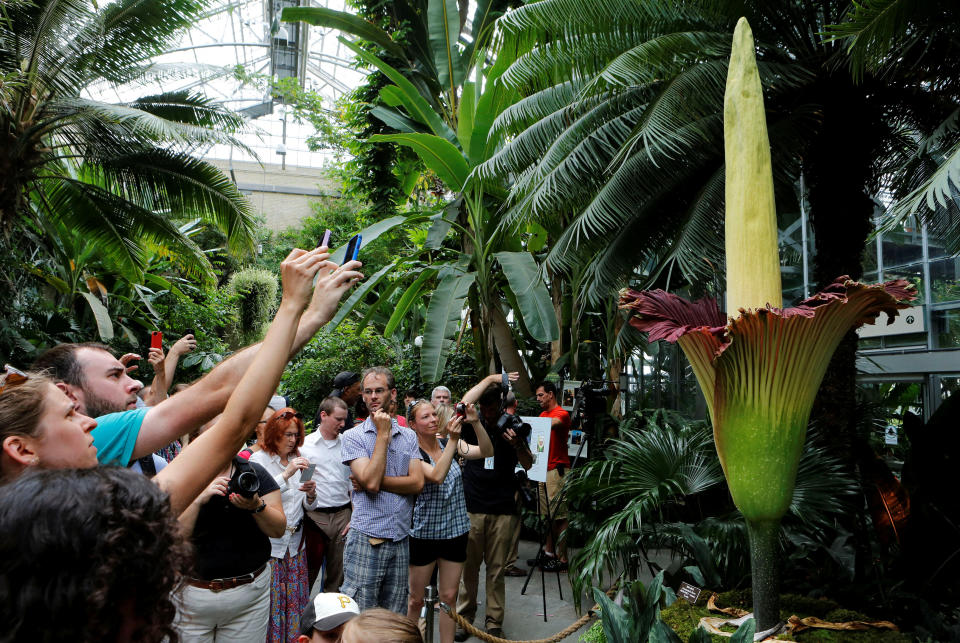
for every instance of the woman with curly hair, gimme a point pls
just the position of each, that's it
(290, 587)
(88, 555)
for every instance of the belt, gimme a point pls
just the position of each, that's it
(295, 528)
(220, 584)
(331, 510)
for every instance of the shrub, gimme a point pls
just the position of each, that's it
(256, 292)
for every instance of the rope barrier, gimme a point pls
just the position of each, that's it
(559, 636)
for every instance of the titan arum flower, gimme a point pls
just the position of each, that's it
(760, 368)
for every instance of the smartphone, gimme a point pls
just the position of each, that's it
(307, 474)
(353, 248)
(326, 239)
(156, 339)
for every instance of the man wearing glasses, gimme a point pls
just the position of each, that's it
(380, 453)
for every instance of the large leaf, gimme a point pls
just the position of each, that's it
(409, 296)
(441, 223)
(372, 232)
(536, 307)
(443, 317)
(437, 153)
(347, 307)
(413, 101)
(617, 626)
(443, 20)
(101, 315)
(346, 22)
(393, 118)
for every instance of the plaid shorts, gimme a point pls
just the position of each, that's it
(376, 575)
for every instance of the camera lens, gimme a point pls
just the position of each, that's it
(248, 484)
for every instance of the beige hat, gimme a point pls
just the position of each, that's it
(327, 611)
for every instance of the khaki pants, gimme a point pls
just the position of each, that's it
(332, 524)
(239, 614)
(491, 542)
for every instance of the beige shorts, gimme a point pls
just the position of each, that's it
(553, 486)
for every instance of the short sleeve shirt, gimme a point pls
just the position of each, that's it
(441, 509)
(227, 541)
(490, 484)
(116, 434)
(558, 438)
(382, 514)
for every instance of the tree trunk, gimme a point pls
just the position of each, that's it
(507, 349)
(839, 171)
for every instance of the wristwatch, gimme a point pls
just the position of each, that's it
(263, 505)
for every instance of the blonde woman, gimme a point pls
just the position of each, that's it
(440, 522)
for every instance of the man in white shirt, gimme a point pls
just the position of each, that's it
(330, 521)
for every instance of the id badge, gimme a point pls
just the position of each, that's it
(488, 463)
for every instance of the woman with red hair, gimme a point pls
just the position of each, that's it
(280, 456)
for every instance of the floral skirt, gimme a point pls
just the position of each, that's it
(289, 595)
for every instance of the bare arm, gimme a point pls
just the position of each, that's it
(438, 472)
(473, 395)
(190, 472)
(523, 450)
(484, 447)
(180, 347)
(272, 520)
(369, 472)
(202, 402)
(408, 485)
(158, 388)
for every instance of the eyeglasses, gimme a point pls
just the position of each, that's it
(417, 403)
(286, 415)
(11, 377)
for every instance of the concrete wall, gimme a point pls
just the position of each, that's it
(281, 196)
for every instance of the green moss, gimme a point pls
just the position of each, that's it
(683, 618)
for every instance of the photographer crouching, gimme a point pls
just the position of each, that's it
(490, 488)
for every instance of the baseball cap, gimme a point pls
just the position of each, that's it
(345, 379)
(327, 611)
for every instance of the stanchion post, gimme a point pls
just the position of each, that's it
(429, 613)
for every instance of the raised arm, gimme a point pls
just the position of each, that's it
(191, 471)
(484, 446)
(186, 411)
(181, 347)
(473, 395)
(438, 472)
(369, 472)
(160, 383)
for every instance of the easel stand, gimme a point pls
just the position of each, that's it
(544, 526)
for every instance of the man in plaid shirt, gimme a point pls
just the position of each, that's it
(380, 453)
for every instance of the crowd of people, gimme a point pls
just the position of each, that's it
(127, 513)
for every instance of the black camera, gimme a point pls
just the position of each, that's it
(461, 410)
(515, 422)
(244, 480)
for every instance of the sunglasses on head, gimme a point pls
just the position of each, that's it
(11, 377)
(286, 415)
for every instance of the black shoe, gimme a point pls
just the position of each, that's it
(555, 565)
(513, 570)
(461, 635)
(495, 631)
(541, 557)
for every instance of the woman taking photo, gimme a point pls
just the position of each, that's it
(290, 587)
(440, 522)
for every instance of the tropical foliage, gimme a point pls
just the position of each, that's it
(118, 174)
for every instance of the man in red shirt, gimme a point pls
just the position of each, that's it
(557, 466)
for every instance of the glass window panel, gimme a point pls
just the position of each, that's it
(912, 273)
(904, 245)
(899, 341)
(945, 280)
(869, 257)
(946, 328)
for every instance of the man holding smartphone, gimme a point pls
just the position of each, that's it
(328, 524)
